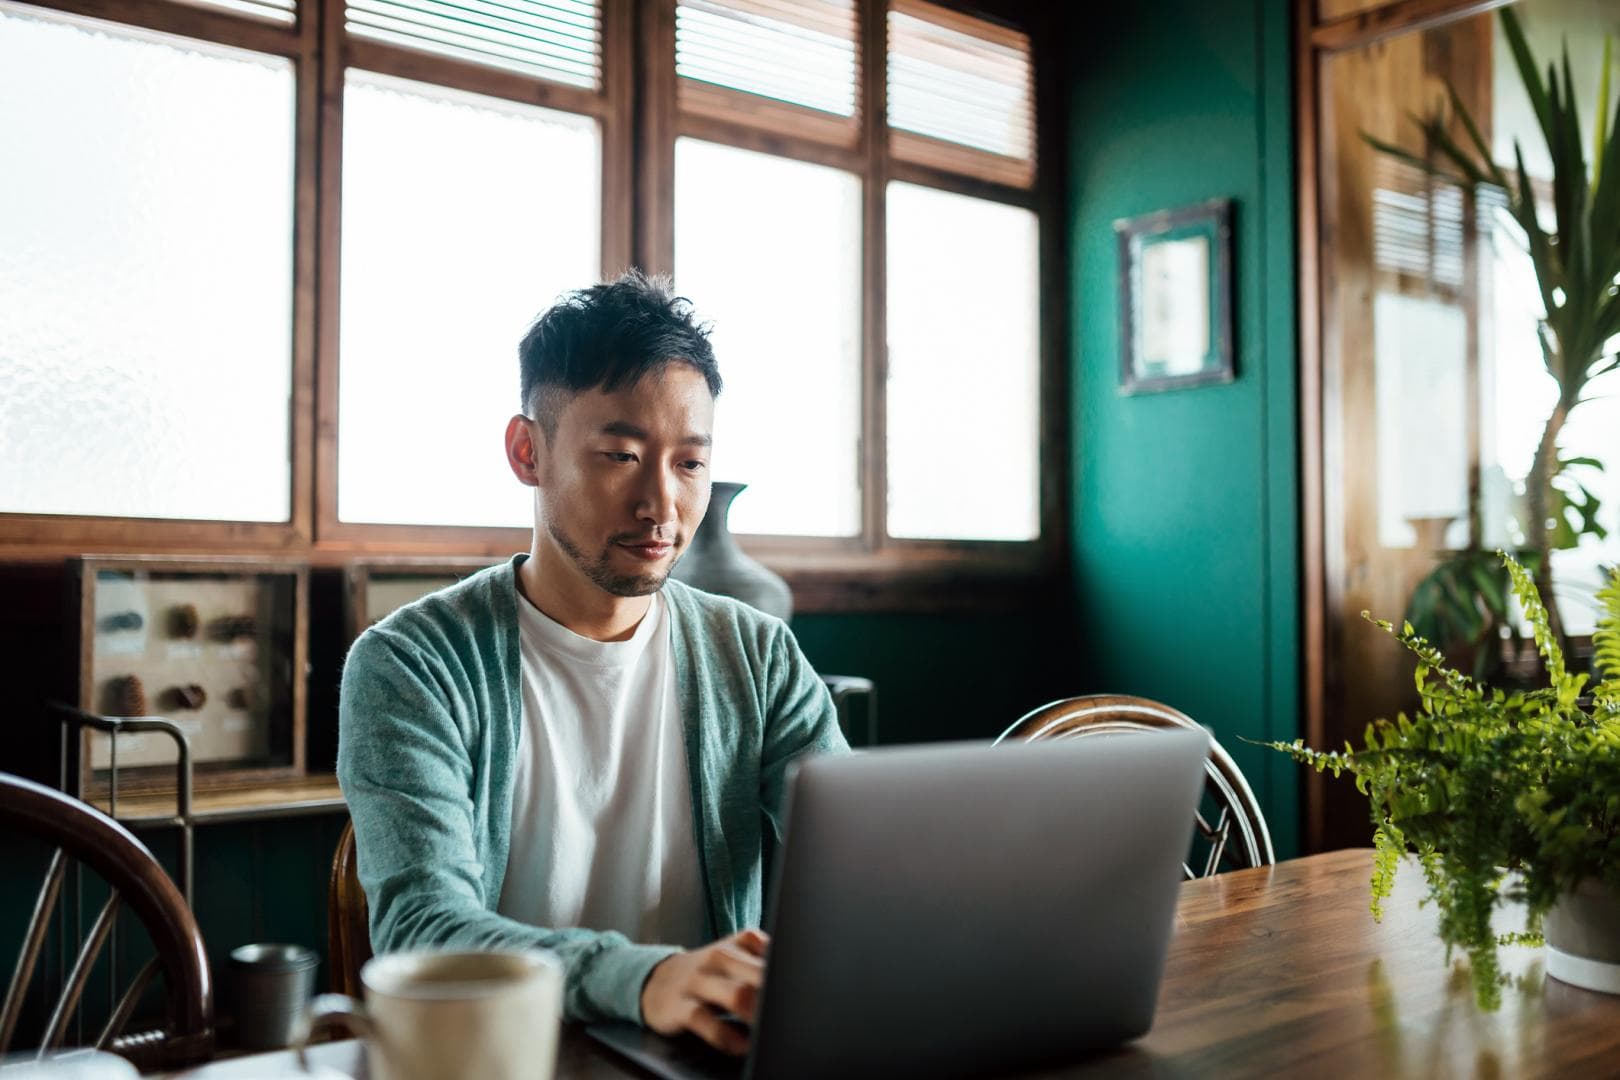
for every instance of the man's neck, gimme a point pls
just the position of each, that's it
(554, 585)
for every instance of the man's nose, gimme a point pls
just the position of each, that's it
(657, 498)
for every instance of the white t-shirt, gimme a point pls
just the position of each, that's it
(602, 833)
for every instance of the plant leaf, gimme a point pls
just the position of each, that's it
(1535, 613)
(1534, 88)
(1434, 130)
(1606, 639)
(1497, 177)
(1599, 135)
(1410, 158)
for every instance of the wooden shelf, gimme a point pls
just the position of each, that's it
(287, 798)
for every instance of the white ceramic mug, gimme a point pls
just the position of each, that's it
(439, 1015)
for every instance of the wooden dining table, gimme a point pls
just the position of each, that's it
(1281, 970)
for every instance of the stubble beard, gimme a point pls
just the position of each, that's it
(601, 573)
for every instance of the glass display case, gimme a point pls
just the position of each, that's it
(216, 645)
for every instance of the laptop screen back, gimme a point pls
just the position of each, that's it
(957, 909)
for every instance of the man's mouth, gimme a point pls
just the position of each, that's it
(648, 550)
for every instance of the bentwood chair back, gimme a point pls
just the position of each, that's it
(348, 931)
(1231, 829)
(79, 832)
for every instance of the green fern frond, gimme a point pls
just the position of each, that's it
(1430, 657)
(1389, 846)
(1535, 612)
(1606, 638)
(1330, 761)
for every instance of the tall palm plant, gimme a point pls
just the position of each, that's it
(1577, 266)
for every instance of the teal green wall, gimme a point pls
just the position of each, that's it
(947, 676)
(1185, 510)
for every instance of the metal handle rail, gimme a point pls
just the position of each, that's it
(75, 719)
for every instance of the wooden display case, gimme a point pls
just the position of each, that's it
(218, 645)
(377, 587)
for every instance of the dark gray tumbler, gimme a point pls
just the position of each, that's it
(270, 988)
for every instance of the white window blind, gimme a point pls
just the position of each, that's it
(559, 40)
(1418, 223)
(961, 80)
(281, 11)
(802, 52)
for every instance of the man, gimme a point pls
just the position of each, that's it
(571, 751)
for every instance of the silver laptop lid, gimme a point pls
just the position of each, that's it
(956, 909)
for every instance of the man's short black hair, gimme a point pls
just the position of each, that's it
(608, 336)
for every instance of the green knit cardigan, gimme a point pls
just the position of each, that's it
(429, 721)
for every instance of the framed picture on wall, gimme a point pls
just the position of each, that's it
(1175, 289)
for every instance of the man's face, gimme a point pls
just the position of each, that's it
(625, 481)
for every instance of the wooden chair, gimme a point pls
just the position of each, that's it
(80, 832)
(348, 929)
(1237, 837)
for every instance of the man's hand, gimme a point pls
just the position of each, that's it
(690, 990)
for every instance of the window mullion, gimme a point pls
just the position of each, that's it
(655, 137)
(618, 136)
(306, 266)
(329, 139)
(874, 354)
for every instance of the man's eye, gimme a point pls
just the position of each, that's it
(693, 466)
(623, 457)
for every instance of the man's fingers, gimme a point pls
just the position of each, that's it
(706, 1024)
(727, 995)
(728, 960)
(752, 941)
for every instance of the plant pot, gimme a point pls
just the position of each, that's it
(1583, 938)
(714, 562)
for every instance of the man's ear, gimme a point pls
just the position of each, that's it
(525, 446)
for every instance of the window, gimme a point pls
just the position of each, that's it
(285, 314)
(803, 54)
(963, 389)
(902, 422)
(482, 146)
(436, 183)
(146, 200)
(559, 40)
(960, 88)
(788, 339)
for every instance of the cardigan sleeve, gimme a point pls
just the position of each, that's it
(406, 771)
(800, 719)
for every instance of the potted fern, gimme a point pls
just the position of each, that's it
(1505, 797)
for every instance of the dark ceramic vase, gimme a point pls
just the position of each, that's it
(714, 563)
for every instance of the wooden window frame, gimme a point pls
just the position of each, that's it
(1316, 39)
(636, 108)
(609, 105)
(45, 535)
(874, 563)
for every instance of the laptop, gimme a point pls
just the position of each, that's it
(962, 909)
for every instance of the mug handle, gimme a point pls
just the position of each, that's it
(331, 1010)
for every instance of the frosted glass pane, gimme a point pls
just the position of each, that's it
(1420, 347)
(463, 218)
(146, 196)
(964, 367)
(769, 250)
